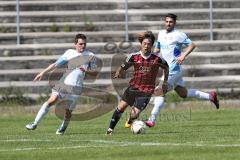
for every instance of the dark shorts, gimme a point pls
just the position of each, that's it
(136, 98)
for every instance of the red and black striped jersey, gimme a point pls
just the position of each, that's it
(145, 70)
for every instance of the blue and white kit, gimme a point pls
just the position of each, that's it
(77, 63)
(170, 45)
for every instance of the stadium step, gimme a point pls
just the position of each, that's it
(194, 59)
(107, 72)
(116, 26)
(100, 48)
(111, 36)
(118, 15)
(47, 5)
(230, 81)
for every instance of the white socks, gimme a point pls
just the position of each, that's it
(198, 94)
(42, 112)
(159, 102)
(158, 105)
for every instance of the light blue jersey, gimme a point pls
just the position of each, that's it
(78, 63)
(170, 45)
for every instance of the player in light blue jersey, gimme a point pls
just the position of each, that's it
(80, 61)
(169, 44)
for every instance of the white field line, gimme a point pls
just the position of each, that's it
(105, 144)
(51, 148)
(165, 144)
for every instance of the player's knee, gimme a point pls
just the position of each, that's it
(122, 106)
(158, 92)
(52, 100)
(121, 109)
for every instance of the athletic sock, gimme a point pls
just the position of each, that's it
(198, 94)
(158, 105)
(41, 113)
(115, 118)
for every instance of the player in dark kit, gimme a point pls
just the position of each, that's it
(141, 86)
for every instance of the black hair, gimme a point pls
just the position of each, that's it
(80, 36)
(171, 15)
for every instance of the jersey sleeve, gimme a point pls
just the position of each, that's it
(162, 62)
(128, 63)
(62, 60)
(183, 38)
(158, 45)
(92, 65)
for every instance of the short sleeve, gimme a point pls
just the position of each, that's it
(92, 65)
(62, 60)
(128, 62)
(157, 45)
(183, 38)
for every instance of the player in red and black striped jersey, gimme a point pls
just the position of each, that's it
(145, 70)
(141, 86)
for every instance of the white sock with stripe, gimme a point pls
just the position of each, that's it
(42, 112)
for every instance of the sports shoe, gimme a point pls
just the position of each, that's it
(149, 123)
(127, 125)
(31, 126)
(60, 131)
(214, 99)
(109, 131)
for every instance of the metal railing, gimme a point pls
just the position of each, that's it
(126, 21)
(18, 22)
(211, 19)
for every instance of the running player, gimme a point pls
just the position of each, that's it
(86, 63)
(168, 46)
(141, 86)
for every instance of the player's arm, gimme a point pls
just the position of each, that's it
(61, 61)
(92, 67)
(157, 48)
(163, 64)
(121, 70)
(188, 50)
(190, 47)
(93, 73)
(45, 71)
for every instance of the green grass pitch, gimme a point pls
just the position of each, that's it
(199, 133)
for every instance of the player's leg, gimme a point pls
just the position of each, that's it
(65, 122)
(159, 100)
(158, 105)
(116, 116)
(70, 105)
(43, 111)
(195, 93)
(134, 114)
(139, 105)
(127, 99)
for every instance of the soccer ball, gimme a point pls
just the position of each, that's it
(138, 127)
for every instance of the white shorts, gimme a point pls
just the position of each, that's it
(173, 81)
(70, 97)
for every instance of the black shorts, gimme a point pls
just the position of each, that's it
(136, 98)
